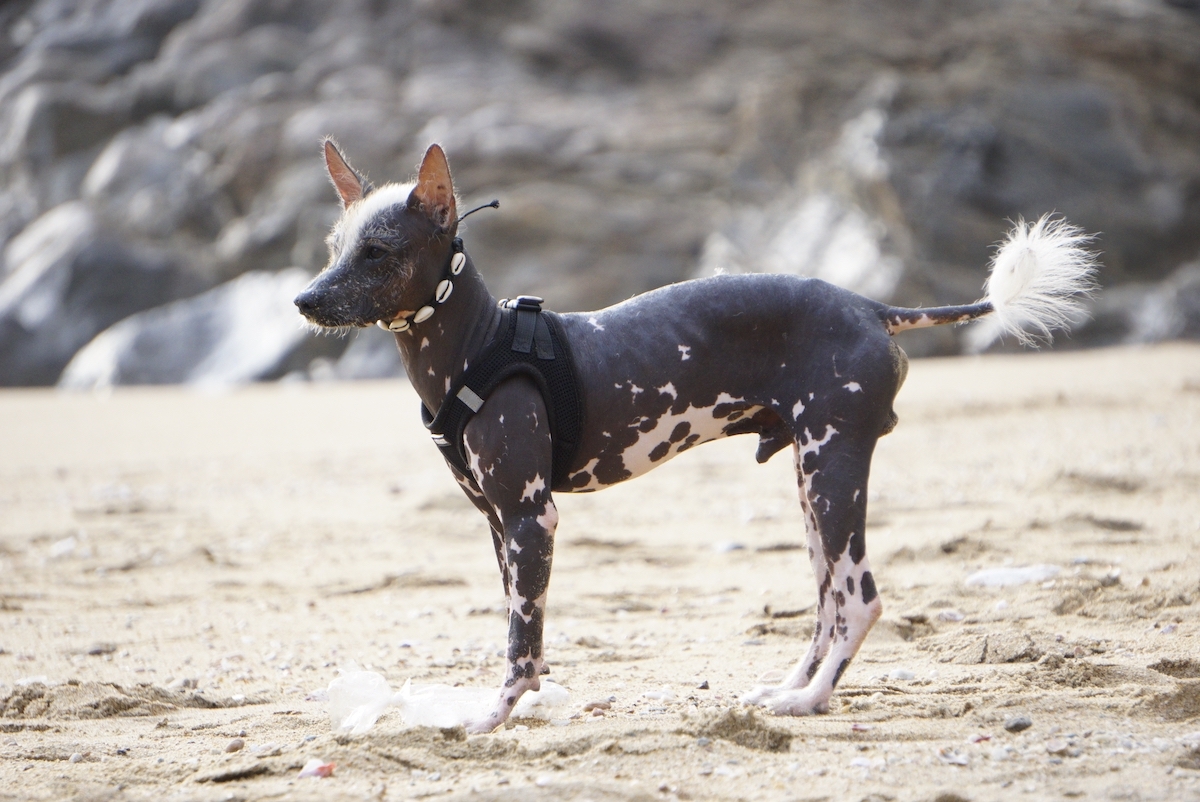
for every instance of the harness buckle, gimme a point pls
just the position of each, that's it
(530, 303)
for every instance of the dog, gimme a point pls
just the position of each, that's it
(585, 400)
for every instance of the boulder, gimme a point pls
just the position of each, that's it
(242, 331)
(371, 354)
(881, 148)
(1144, 312)
(67, 278)
(157, 183)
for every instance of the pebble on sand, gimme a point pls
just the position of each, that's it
(235, 745)
(1018, 723)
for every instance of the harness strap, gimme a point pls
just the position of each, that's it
(529, 341)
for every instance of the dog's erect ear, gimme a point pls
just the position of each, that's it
(434, 193)
(349, 186)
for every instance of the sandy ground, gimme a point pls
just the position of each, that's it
(180, 570)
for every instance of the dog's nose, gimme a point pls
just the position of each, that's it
(307, 302)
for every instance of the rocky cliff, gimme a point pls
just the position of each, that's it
(153, 150)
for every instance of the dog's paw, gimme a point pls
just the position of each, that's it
(760, 695)
(787, 701)
(484, 725)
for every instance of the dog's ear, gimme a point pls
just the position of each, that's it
(350, 187)
(434, 193)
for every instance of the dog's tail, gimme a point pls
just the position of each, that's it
(1038, 275)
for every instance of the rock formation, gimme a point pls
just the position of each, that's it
(151, 150)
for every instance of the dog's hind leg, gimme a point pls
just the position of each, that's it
(833, 472)
(508, 444)
(802, 673)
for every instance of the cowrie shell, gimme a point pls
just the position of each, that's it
(456, 264)
(382, 325)
(399, 325)
(444, 288)
(423, 314)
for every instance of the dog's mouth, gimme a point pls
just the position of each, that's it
(321, 314)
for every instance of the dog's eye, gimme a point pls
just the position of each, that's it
(373, 252)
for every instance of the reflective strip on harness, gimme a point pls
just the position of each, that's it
(470, 398)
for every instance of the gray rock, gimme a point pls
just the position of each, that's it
(68, 279)
(158, 184)
(1145, 312)
(881, 149)
(1018, 723)
(244, 330)
(371, 354)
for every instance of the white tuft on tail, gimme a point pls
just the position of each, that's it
(1037, 279)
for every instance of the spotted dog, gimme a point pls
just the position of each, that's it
(796, 361)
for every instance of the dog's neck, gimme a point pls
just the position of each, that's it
(436, 351)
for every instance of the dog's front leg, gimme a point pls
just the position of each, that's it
(508, 444)
(481, 503)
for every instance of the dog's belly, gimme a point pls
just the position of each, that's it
(647, 442)
(689, 363)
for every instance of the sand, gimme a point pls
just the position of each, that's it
(179, 570)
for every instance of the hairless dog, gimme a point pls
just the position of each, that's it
(525, 402)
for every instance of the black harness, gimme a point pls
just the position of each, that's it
(531, 342)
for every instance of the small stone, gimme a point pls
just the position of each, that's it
(76, 758)
(1056, 746)
(1018, 723)
(703, 685)
(235, 745)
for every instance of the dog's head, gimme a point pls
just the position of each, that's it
(388, 250)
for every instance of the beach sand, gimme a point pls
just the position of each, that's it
(181, 569)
